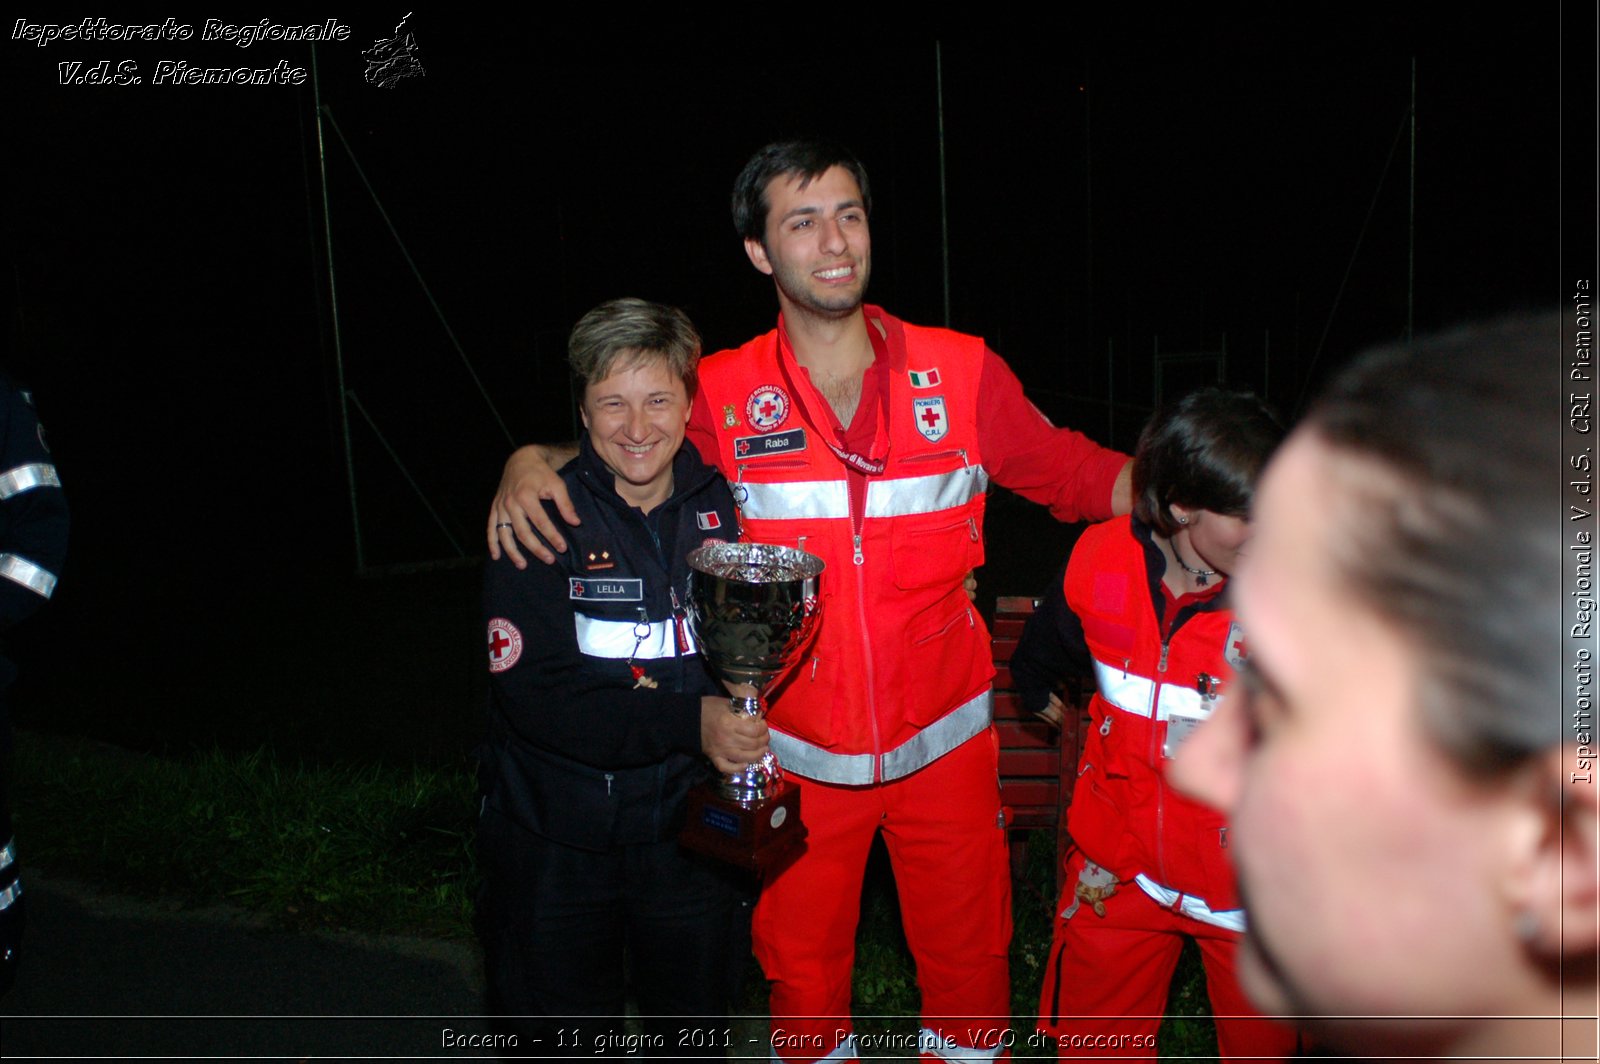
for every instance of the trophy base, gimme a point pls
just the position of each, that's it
(762, 835)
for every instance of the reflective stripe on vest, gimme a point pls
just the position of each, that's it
(1135, 694)
(600, 638)
(8, 854)
(794, 500)
(1189, 905)
(10, 894)
(27, 477)
(893, 497)
(922, 749)
(20, 570)
(923, 495)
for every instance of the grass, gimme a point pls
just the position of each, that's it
(368, 848)
(384, 849)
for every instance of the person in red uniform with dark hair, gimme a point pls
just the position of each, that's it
(870, 442)
(1141, 603)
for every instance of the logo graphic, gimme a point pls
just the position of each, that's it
(505, 644)
(1234, 651)
(389, 60)
(924, 378)
(767, 408)
(707, 520)
(931, 419)
(729, 417)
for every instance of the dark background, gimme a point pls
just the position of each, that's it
(1193, 183)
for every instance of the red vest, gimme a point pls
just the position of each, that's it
(900, 670)
(1124, 815)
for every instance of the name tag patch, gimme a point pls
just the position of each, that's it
(598, 590)
(776, 443)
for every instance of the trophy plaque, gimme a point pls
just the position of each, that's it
(754, 608)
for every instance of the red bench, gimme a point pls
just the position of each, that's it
(1038, 763)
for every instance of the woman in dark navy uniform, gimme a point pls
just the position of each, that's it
(602, 716)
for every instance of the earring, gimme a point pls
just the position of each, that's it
(1183, 520)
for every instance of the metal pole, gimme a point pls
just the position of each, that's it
(944, 210)
(333, 307)
(1411, 245)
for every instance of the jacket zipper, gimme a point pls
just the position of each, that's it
(861, 610)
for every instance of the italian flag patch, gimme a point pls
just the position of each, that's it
(924, 378)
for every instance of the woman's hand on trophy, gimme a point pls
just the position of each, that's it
(731, 740)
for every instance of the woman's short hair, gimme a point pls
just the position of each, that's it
(621, 333)
(1451, 529)
(1202, 452)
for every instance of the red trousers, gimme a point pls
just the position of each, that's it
(1105, 986)
(947, 846)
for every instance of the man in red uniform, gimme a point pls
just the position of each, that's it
(870, 442)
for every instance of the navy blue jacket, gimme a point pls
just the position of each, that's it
(583, 750)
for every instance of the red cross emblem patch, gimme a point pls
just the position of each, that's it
(931, 419)
(767, 407)
(1234, 651)
(505, 644)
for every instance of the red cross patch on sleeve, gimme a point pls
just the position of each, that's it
(505, 644)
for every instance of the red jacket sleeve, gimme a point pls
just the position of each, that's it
(702, 431)
(1022, 451)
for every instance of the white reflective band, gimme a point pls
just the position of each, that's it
(20, 570)
(922, 749)
(939, 738)
(945, 1048)
(618, 639)
(923, 495)
(793, 500)
(10, 894)
(815, 763)
(1189, 905)
(1135, 694)
(27, 477)
(8, 855)
(886, 496)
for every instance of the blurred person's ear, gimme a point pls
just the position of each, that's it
(1554, 871)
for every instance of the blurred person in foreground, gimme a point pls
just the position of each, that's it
(1143, 603)
(1412, 800)
(600, 712)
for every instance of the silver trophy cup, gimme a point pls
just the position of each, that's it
(754, 609)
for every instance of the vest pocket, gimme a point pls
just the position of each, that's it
(940, 552)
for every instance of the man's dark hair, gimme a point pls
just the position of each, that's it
(1203, 452)
(805, 159)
